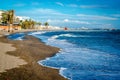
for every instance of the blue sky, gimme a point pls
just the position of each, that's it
(70, 13)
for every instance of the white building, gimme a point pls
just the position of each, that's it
(1, 11)
(22, 17)
(54, 27)
(42, 27)
(84, 28)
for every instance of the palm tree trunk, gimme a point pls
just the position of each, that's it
(11, 27)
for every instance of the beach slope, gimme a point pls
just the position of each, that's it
(31, 50)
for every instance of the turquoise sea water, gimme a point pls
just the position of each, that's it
(84, 55)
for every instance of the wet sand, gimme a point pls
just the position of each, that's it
(30, 50)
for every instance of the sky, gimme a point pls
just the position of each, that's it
(68, 13)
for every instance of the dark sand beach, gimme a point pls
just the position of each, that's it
(31, 50)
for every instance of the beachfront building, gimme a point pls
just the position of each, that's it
(1, 12)
(54, 28)
(42, 27)
(6, 26)
(2, 27)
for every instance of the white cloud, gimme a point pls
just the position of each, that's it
(45, 11)
(43, 14)
(76, 21)
(73, 5)
(23, 17)
(87, 6)
(93, 6)
(49, 20)
(54, 21)
(59, 3)
(66, 20)
(116, 15)
(35, 3)
(95, 17)
(81, 22)
(19, 5)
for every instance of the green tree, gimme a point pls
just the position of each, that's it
(39, 23)
(17, 20)
(27, 24)
(46, 24)
(10, 14)
(31, 24)
(7, 18)
(21, 23)
(4, 18)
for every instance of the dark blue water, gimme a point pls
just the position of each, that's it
(85, 55)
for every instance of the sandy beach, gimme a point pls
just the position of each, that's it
(7, 61)
(19, 60)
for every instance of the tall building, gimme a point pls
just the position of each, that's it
(15, 25)
(1, 11)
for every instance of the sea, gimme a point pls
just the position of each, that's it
(83, 55)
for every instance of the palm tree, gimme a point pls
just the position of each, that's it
(4, 18)
(10, 18)
(26, 24)
(31, 24)
(39, 23)
(46, 24)
(0, 21)
(17, 20)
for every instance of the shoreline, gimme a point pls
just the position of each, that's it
(31, 50)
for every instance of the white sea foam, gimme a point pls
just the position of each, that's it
(40, 62)
(60, 50)
(68, 35)
(34, 33)
(54, 37)
(90, 36)
(65, 35)
(59, 43)
(19, 38)
(61, 72)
